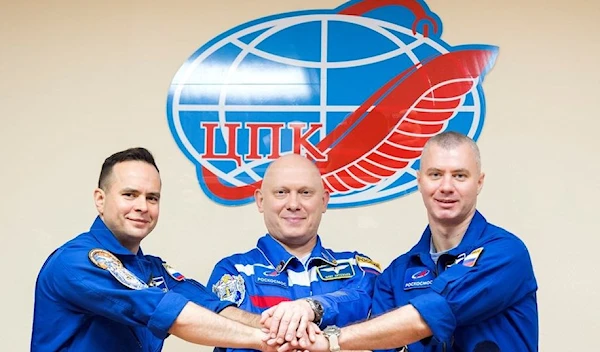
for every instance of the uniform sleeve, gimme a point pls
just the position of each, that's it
(351, 303)
(383, 295)
(229, 286)
(227, 283)
(462, 295)
(88, 289)
(199, 294)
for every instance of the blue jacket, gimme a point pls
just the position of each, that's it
(268, 274)
(480, 297)
(82, 307)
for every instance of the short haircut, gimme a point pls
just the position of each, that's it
(450, 140)
(131, 154)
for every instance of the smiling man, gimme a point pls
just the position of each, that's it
(290, 277)
(100, 292)
(467, 285)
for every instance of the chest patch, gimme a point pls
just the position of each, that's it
(471, 259)
(267, 276)
(159, 282)
(417, 277)
(340, 271)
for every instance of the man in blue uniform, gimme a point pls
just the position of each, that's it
(100, 292)
(466, 286)
(290, 277)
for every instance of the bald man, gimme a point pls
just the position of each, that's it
(295, 282)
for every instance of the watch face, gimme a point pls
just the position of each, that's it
(332, 330)
(317, 308)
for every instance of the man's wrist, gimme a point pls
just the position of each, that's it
(332, 333)
(317, 309)
(259, 339)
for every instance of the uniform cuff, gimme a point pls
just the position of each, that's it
(437, 314)
(329, 311)
(165, 314)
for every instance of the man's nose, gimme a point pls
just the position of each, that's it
(447, 184)
(141, 204)
(293, 201)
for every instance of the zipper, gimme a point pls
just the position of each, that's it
(437, 273)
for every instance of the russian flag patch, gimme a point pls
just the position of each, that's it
(173, 273)
(471, 259)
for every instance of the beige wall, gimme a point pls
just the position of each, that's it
(80, 81)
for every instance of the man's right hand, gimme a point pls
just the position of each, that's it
(321, 344)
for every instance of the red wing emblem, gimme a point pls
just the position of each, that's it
(388, 131)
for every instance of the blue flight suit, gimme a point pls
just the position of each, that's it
(82, 307)
(480, 297)
(268, 274)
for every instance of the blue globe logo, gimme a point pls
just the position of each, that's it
(289, 83)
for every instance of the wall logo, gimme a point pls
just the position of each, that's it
(359, 89)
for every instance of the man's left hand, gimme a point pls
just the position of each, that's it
(289, 321)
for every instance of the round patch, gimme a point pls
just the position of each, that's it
(104, 259)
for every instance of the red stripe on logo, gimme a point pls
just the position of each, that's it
(267, 301)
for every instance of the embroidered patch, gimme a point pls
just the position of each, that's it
(230, 288)
(104, 259)
(159, 282)
(269, 276)
(173, 273)
(368, 263)
(127, 278)
(471, 259)
(458, 259)
(107, 261)
(418, 277)
(340, 271)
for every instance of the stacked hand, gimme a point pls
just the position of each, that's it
(289, 327)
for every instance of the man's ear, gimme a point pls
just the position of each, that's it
(326, 197)
(480, 182)
(99, 197)
(258, 199)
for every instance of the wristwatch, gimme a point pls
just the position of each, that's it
(317, 308)
(332, 333)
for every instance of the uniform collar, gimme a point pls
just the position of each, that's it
(107, 239)
(279, 257)
(469, 240)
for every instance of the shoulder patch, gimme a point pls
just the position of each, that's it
(366, 263)
(107, 261)
(173, 273)
(471, 259)
(104, 259)
(230, 288)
